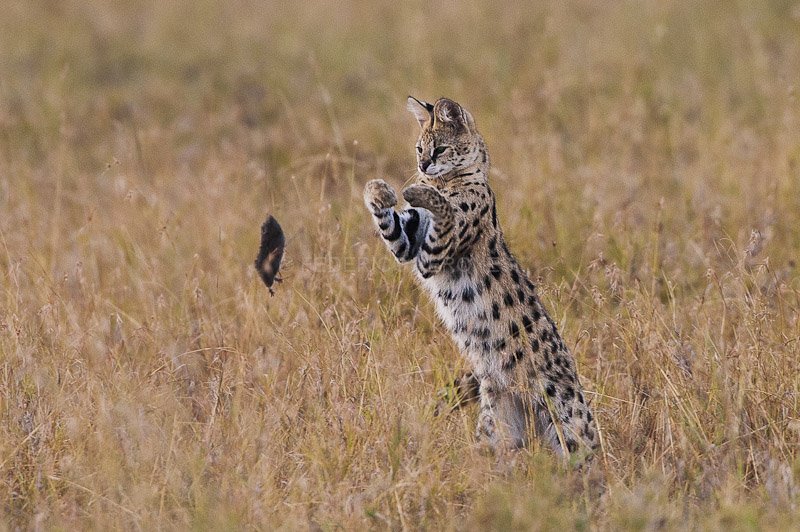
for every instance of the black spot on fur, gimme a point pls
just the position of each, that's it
(515, 276)
(482, 333)
(521, 296)
(511, 363)
(567, 394)
(495, 311)
(464, 207)
(550, 389)
(468, 296)
(528, 324)
(487, 281)
(572, 446)
(535, 345)
(496, 271)
(513, 328)
(500, 344)
(508, 300)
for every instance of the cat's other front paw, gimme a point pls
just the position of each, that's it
(379, 196)
(425, 197)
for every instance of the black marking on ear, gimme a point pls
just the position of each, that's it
(417, 109)
(465, 120)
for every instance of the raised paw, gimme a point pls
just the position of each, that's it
(379, 196)
(425, 197)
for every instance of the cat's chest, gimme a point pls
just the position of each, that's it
(458, 301)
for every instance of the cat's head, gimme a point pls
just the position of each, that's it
(448, 140)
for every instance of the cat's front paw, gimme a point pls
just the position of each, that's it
(425, 197)
(379, 196)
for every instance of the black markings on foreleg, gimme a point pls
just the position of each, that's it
(402, 231)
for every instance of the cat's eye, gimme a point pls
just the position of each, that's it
(438, 150)
(419, 149)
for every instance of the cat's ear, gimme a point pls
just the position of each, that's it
(423, 111)
(467, 120)
(449, 112)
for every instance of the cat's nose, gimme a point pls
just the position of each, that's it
(423, 165)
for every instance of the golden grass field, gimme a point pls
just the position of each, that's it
(647, 167)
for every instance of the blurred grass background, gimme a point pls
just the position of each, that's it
(646, 164)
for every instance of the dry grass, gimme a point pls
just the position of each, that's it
(147, 380)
